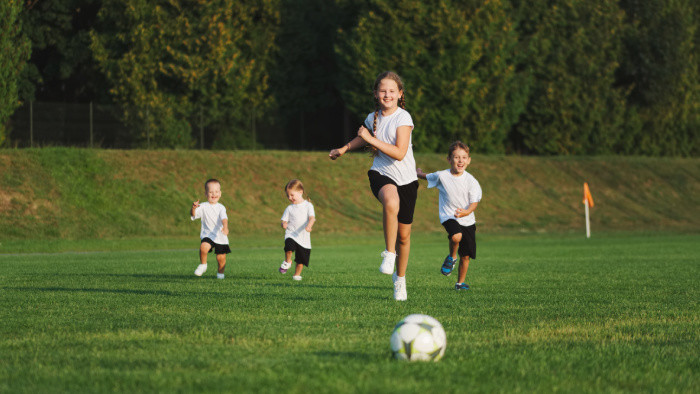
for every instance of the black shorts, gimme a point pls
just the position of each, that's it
(217, 248)
(407, 194)
(301, 254)
(467, 246)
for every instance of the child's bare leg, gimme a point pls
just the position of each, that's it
(221, 259)
(454, 245)
(404, 243)
(297, 270)
(463, 266)
(389, 197)
(288, 256)
(204, 249)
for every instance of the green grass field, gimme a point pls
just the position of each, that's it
(616, 313)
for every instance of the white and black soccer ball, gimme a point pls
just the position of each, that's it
(418, 338)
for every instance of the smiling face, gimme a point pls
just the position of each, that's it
(388, 94)
(213, 192)
(295, 196)
(459, 160)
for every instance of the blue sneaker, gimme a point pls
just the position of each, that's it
(461, 286)
(447, 266)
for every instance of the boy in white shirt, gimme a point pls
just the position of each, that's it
(214, 233)
(297, 221)
(460, 193)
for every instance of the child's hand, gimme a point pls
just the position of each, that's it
(363, 133)
(460, 213)
(225, 230)
(195, 204)
(420, 173)
(334, 154)
(308, 229)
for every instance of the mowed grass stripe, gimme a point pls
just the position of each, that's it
(618, 313)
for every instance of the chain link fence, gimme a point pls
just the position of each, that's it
(90, 125)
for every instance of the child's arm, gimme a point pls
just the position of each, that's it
(355, 143)
(312, 220)
(225, 227)
(284, 225)
(465, 212)
(420, 174)
(396, 152)
(195, 205)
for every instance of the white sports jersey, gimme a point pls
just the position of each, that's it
(402, 172)
(297, 218)
(455, 192)
(212, 216)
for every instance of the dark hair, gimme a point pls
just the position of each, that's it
(212, 180)
(402, 100)
(457, 145)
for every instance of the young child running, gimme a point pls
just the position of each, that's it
(392, 177)
(297, 221)
(459, 195)
(214, 233)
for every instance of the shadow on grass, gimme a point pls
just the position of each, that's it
(328, 286)
(337, 356)
(115, 291)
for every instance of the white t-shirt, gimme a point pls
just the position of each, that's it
(212, 216)
(297, 218)
(455, 192)
(402, 172)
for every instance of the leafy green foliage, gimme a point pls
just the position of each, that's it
(661, 66)
(572, 51)
(14, 51)
(177, 64)
(454, 58)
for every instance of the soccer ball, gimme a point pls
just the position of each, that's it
(418, 338)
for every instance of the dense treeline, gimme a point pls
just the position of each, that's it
(508, 76)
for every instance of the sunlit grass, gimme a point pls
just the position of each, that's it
(545, 313)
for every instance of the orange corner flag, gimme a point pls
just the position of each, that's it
(587, 195)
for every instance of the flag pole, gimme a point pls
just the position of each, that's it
(588, 221)
(587, 202)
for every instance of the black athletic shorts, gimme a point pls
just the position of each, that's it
(467, 246)
(217, 248)
(301, 254)
(407, 194)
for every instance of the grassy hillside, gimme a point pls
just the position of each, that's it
(77, 193)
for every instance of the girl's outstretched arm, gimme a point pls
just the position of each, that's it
(355, 143)
(396, 152)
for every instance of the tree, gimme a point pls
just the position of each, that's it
(14, 52)
(572, 51)
(661, 65)
(61, 67)
(456, 59)
(175, 64)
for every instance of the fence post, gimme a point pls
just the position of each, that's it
(31, 124)
(255, 132)
(148, 131)
(91, 127)
(201, 129)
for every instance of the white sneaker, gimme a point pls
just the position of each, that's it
(219, 276)
(284, 267)
(388, 262)
(202, 268)
(399, 287)
(296, 277)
